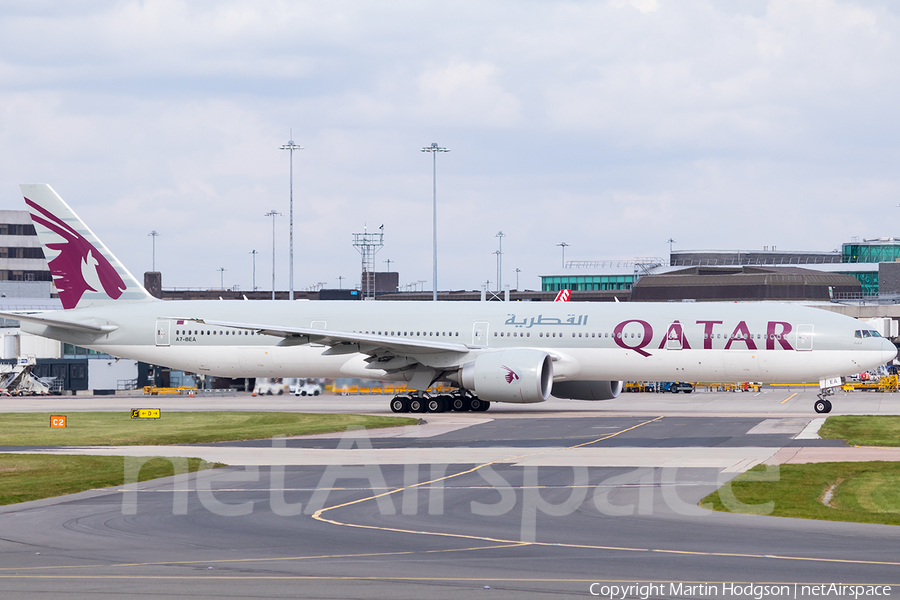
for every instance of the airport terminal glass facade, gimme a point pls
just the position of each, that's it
(867, 279)
(871, 251)
(587, 282)
(72, 351)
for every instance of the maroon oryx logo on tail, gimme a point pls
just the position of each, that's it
(79, 267)
(510, 374)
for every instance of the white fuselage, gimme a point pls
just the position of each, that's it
(764, 342)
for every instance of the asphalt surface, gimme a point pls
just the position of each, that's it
(526, 524)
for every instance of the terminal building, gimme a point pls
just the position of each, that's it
(873, 263)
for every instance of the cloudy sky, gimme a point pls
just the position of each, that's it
(609, 125)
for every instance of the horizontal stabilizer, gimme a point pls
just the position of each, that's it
(60, 323)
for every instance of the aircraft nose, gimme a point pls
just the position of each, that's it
(888, 351)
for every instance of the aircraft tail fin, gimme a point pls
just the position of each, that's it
(563, 296)
(84, 271)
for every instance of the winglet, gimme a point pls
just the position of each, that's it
(84, 271)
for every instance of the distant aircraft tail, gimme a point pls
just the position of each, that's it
(84, 271)
(563, 296)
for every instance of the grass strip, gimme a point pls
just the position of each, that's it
(26, 477)
(862, 492)
(863, 430)
(119, 429)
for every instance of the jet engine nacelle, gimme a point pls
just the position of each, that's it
(517, 375)
(587, 390)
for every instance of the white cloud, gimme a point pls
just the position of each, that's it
(467, 94)
(611, 126)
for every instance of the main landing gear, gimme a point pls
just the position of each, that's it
(420, 402)
(823, 404)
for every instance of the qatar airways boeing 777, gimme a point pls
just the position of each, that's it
(489, 351)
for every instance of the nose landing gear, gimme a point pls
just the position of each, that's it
(823, 404)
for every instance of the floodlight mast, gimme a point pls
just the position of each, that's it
(154, 235)
(434, 149)
(563, 245)
(500, 235)
(273, 213)
(291, 146)
(253, 253)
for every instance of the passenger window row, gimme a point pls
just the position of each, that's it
(554, 334)
(639, 335)
(212, 332)
(411, 334)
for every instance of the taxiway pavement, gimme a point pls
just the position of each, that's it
(527, 503)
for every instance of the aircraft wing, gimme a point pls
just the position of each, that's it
(422, 361)
(38, 319)
(360, 342)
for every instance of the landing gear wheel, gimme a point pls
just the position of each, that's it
(436, 405)
(478, 405)
(416, 405)
(823, 406)
(400, 405)
(459, 403)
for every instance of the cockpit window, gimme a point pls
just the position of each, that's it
(865, 333)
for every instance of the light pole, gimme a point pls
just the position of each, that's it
(434, 149)
(518, 270)
(671, 241)
(500, 235)
(291, 146)
(273, 213)
(253, 254)
(389, 261)
(221, 271)
(153, 235)
(340, 279)
(563, 245)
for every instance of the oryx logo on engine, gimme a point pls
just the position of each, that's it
(510, 374)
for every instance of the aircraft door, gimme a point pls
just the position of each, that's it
(480, 333)
(163, 328)
(675, 337)
(804, 337)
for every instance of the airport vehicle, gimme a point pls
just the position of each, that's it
(306, 388)
(675, 387)
(274, 386)
(491, 351)
(18, 380)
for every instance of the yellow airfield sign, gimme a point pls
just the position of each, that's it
(144, 413)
